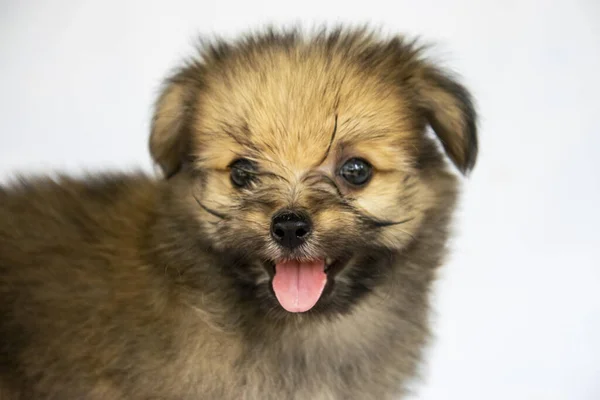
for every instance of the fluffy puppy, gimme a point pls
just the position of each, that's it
(287, 253)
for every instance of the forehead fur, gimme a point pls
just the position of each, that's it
(281, 95)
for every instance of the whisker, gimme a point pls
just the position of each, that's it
(383, 223)
(273, 175)
(376, 222)
(241, 141)
(335, 125)
(255, 155)
(208, 210)
(323, 178)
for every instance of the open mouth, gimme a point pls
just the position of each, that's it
(299, 284)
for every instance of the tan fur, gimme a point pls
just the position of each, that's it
(165, 143)
(127, 287)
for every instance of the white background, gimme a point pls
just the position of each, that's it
(518, 305)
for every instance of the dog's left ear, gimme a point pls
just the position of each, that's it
(171, 124)
(449, 110)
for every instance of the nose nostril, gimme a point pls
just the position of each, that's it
(301, 232)
(279, 232)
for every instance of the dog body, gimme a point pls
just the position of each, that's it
(288, 254)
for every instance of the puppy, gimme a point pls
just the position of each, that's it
(287, 253)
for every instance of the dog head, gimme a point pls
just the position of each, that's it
(306, 160)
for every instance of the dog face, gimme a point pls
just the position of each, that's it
(307, 159)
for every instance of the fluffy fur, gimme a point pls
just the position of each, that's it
(131, 287)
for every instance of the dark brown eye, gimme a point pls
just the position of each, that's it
(242, 172)
(356, 171)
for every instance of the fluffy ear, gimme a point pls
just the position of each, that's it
(449, 110)
(170, 131)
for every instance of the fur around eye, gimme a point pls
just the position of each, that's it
(356, 171)
(242, 172)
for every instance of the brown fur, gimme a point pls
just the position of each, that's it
(128, 287)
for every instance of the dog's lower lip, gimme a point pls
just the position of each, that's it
(328, 263)
(336, 266)
(271, 267)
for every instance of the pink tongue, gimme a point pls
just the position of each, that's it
(298, 285)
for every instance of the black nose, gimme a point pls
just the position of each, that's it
(290, 229)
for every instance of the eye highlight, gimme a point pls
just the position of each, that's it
(242, 172)
(356, 171)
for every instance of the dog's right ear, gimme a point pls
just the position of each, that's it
(171, 125)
